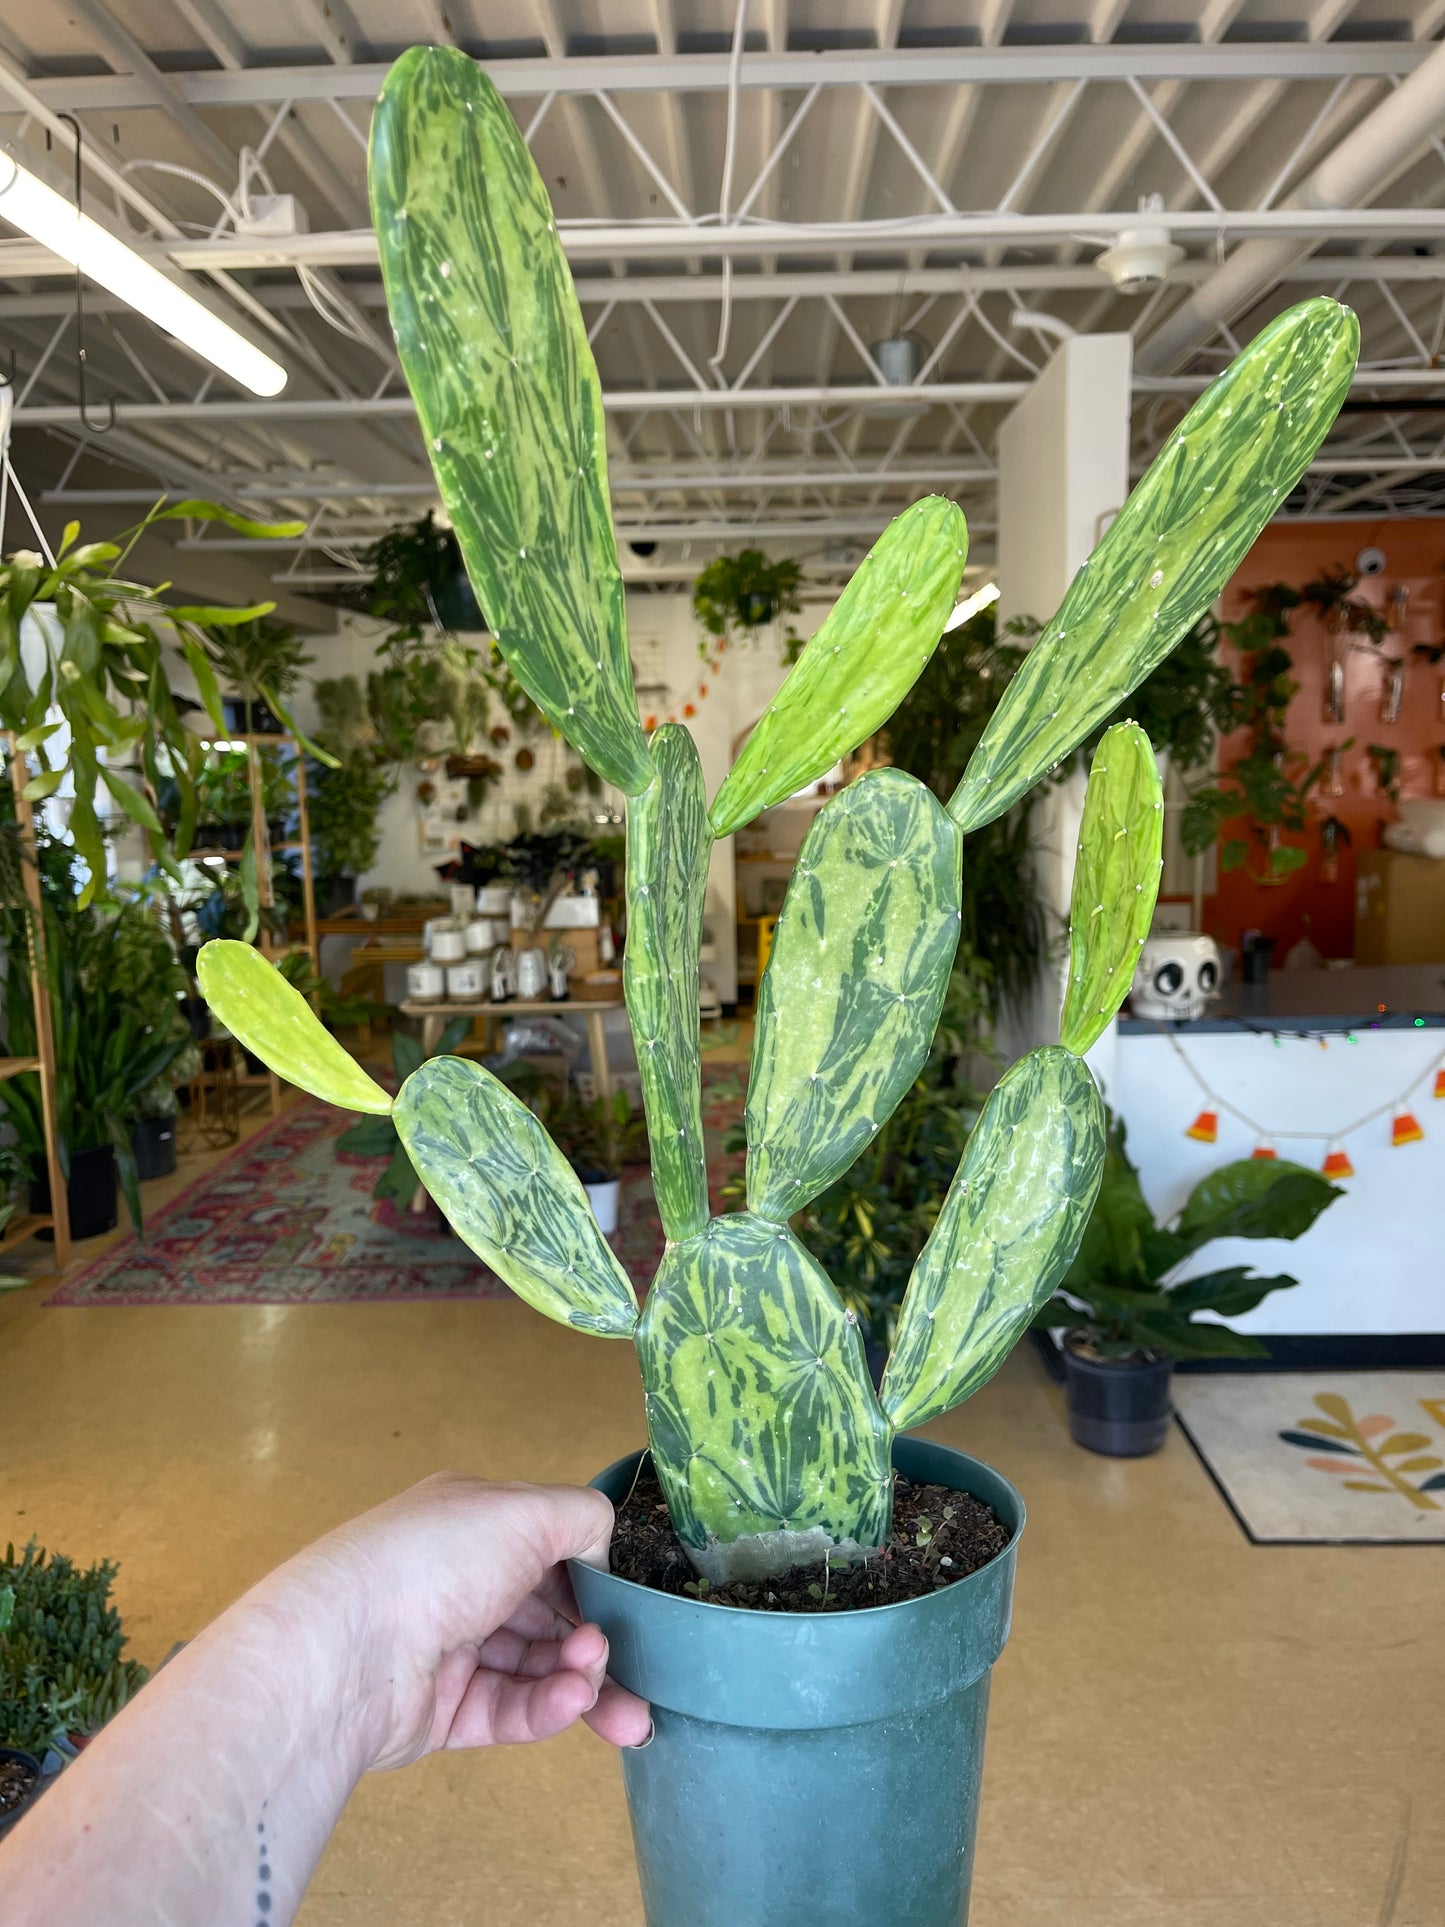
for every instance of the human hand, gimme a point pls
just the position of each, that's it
(459, 1618)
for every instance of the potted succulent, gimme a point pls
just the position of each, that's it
(1125, 1323)
(778, 1462)
(63, 1672)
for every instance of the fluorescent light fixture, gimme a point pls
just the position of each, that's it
(962, 611)
(49, 218)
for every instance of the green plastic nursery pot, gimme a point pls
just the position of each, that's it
(810, 1767)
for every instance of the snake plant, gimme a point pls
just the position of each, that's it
(770, 1441)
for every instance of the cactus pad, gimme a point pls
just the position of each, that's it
(1007, 1233)
(862, 662)
(854, 985)
(1169, 551)
(760, 1412)
(496, 356)
(275, 1023)
(508, 1192)
(1116, 879)
(667, 854)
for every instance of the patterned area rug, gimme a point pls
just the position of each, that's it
(1323, 1458)
(286, 1219)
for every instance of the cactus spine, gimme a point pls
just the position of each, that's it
(765, 1429)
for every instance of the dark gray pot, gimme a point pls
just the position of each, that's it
(1120, 1407)
(810, 1767)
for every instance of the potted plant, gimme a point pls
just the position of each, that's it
(779, 1686)
(84, 647)
(261, 659)
(1124, 1321)
(597, 1138)
(745, 591)
(63, 1670)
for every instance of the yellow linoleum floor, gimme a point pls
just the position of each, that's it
(1187, 1731)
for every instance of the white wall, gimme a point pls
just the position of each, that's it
(664, 636)
(1372, 1262)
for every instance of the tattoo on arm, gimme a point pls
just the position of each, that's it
(263, 1877)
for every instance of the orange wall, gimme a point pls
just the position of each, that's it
(1415, 556)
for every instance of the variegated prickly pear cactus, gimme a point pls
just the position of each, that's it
(767, 1435)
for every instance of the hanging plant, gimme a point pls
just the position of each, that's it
(745, 592)
(78, 638)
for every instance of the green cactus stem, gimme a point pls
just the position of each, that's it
(667, 854)
(508, 1192)
(495, 353)
(764, 1429)
(1170, 550)
(1116, 882)
(275, 1023)
(858, 667)
(1006, 1235)
(850, 999)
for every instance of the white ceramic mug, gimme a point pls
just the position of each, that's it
(465, 982)
(482, 935)
(494, 900)
(463, 899)
(425, 983)
(448, 943)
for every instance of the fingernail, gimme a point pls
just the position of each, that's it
(651, 1735)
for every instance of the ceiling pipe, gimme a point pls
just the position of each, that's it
(1042, 323)
(1367, 155)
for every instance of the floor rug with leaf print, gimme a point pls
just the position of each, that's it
(287, 1219)
(1334, 1458)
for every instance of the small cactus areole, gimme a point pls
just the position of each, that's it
(769, 1440)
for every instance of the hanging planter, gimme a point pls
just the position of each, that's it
(746, 592)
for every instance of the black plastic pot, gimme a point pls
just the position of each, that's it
(456, 603)
(334, 894)
(91, 1192)
(153, 1142)
(1118, 1406)
(13, 1753)
(221, 836)
(251, 718)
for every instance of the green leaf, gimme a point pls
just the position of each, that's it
(1286, 858)
(858, 667)
(219, 615)
(274, 1022)
(510, 1195)
(1183, 1338)
(854, 985)
(373, 1137)
(133, 800)
(1230, 1292)
(210, 691)
(399, 1180)
(407, 1054)
(1116, 880)
(193, 511)
(1117, 1246)
(1254, 1198)
(1175, 543)
(1007, 1232)
(760, 1412)
(455, 1034)
(496, 356)
(668, 844)
(43, 785)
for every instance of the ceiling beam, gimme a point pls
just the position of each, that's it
(708, 73)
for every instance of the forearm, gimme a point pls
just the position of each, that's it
(208, 1801)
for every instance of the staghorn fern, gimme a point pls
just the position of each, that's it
(766, 1432)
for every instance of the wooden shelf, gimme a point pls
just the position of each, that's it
(23, 1226)
(235, 856)
(17, 1066)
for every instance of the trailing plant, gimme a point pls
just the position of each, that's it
(768, 1438)
(343, 804)
(223, 788)
(1116, 1296)
(746, 592)
(63, 1668)
(1188, 700)
(85, 681)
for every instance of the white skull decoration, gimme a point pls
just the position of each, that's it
(1176, 976)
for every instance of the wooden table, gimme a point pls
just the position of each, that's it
(436, 1017)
